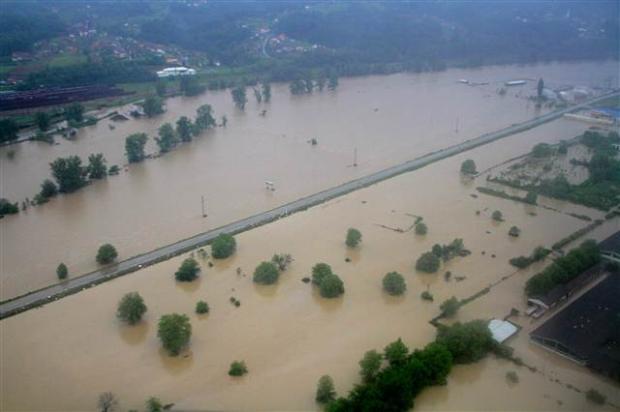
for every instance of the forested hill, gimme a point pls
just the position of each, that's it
(281, 37)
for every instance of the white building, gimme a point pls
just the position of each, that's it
(502, 329)
(176, 71)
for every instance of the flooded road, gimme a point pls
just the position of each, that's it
(388, 119)
(286, 333)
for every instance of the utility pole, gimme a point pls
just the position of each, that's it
(457, 125)
(355, 157)
(204, 214)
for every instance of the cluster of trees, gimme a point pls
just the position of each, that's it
(537, 254)
(330, 285)
(564, 269)
(308, 85)
(268, 273)
(429, 262)
(71, 175)
(107, 402)
(391, 380)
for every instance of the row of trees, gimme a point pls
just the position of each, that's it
(71, 175)
(429, 262)
(392, 379)
(564, 269)
(170, 136)
(308, 85)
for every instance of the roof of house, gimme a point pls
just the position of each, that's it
(501, 329)
(611, 244)
(588, 327)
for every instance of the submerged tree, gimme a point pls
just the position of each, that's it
(74, 112)
(153, 106)
(331, 286)
(238, 368)
(319, 272)
(106, 254)
(69, 173)
(204, 118)
(134, 147)
(174, 331)
(468, 167)
(325, 391)
(267, 92)
(239, 97)
(354, 237)
(428, 262)
(107, 402)
(61, 271)
(266, 273)
(450, 306)
(396, 353)
(184, 129)
(540, 87)
(48, 189)
(188, 270)
(167, 138)
(131, 308)
(97, 168)
(394, 284)
(223, 246)
(370, 365)
(42, 120)
(333, 82)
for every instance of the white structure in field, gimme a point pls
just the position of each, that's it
(176, 71)
(501, 329)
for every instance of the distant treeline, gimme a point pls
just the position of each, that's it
(352, 38)
(107, 72)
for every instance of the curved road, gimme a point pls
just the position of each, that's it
(74, 285)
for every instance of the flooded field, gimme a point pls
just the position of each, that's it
(388, 119)
(286, 333)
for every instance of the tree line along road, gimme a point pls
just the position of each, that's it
(74, 285)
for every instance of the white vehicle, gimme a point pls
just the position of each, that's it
(176, 71)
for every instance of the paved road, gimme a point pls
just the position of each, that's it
(73, 285)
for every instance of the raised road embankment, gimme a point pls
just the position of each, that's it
(73, 285)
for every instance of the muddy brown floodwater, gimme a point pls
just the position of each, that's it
(388, 119)
(286, 333)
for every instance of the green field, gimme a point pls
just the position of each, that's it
(64, 60)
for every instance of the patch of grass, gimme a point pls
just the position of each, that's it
(67, 59)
